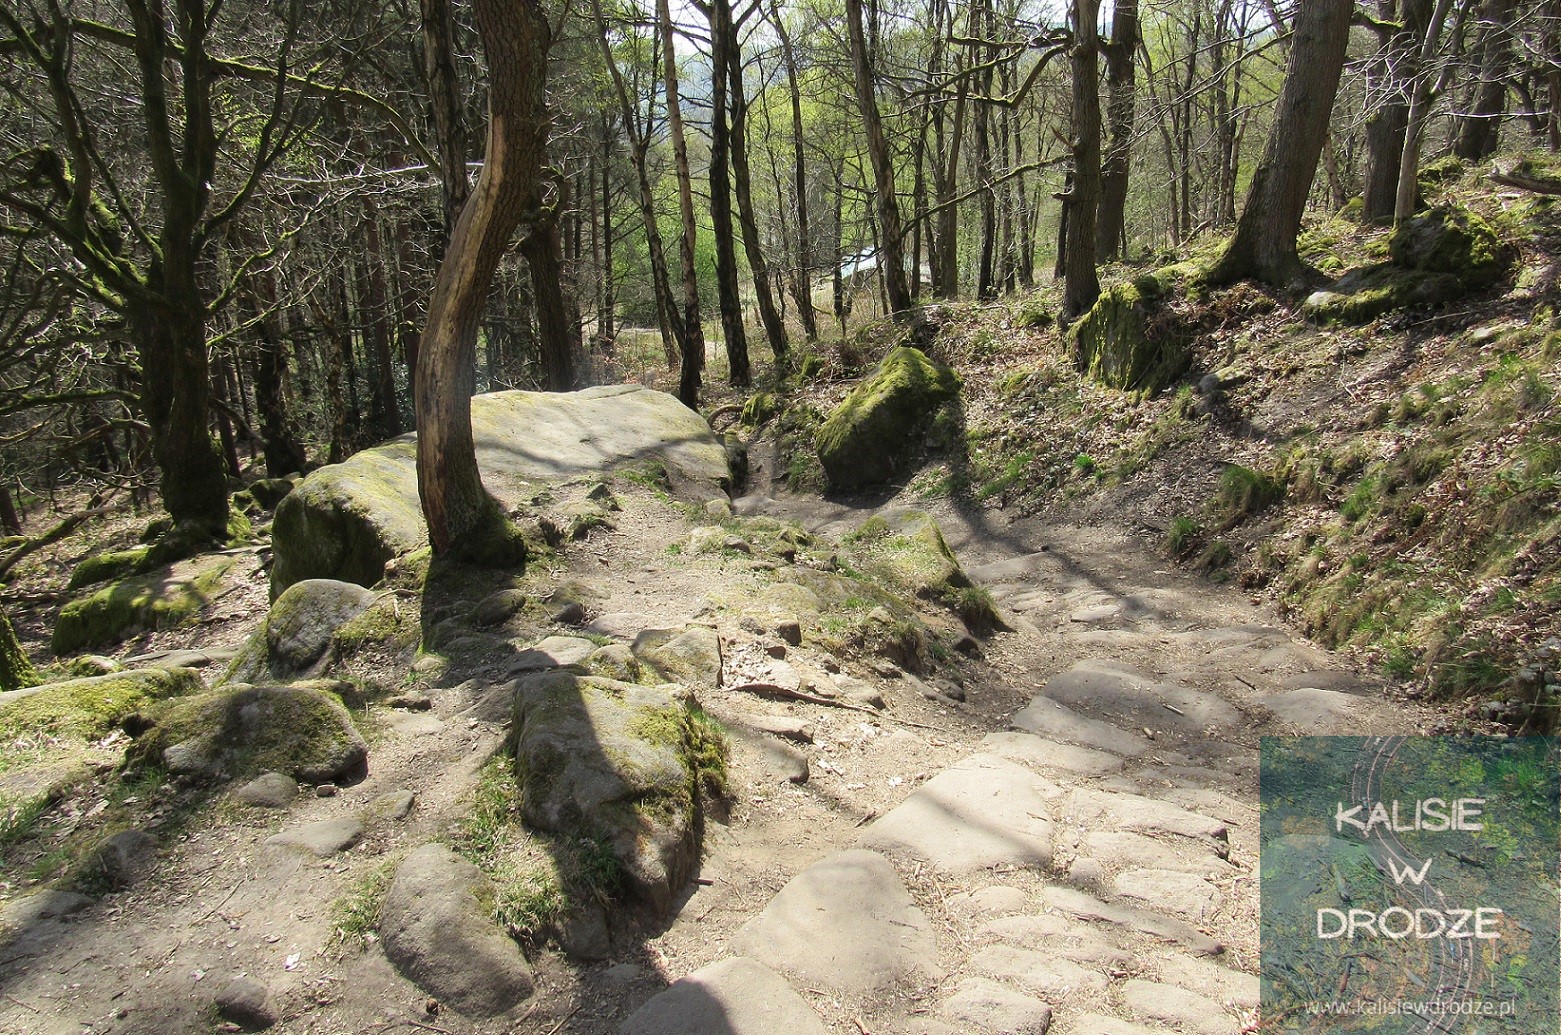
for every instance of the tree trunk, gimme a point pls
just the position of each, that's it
(1479, 130)
(1385, 130)
(753, 247)
(1081, 283)
(739, 373)
(444, 94)
(802, 281)
(890, 253)
(375, 299)
(693, 349)
(1264, 245)
(1423, 93)
(1110, 223)
(10, 520)
(463, 520)
(16, 671)
(558, 315)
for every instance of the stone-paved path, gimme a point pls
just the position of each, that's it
(1106, 842)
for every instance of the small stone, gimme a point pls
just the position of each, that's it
(623, 974)
(830, 664)
(790, 630)
(968, 645)
(985, 1005)
(600, 493)
(572, 613)
(718, 510)
(950, 689)
(125, 858)
(1086, 871)
(395, 805)
(886, 669)
(776, 650)
(585, 934)
(737, 544)
(429, 664)
(411, 702)
(858, 692)
(29, 910)
(324, 838)
(497, 608)
(268, 791)
(733, 997)
(325, 790)
(248, 1004)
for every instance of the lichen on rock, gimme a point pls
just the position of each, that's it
(1130, 339)
(297, 635)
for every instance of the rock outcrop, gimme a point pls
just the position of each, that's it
(349, 520)
(881, 421)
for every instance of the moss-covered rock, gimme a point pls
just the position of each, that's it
(880, 422)
(87, 709)
(1364, 294)
(160, 600)
(300, 730)
(690, 655)
(759, 409)
(349, 520)
(628, 766)
(1130, 340)
(906, 553)
(268, 492)
(163, 544)
(1451, 240)
(16, 671)
(114, 564)
(296, 636)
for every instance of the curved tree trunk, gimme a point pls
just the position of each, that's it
(1264, 243)
(802, 282)
(463, 520)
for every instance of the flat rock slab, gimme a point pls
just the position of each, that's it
(1210, 979)
(1099, 1024)
(1043, 972)
(439, 936)
(1059, 722)
(981, 813)
(1185, 894)
(1331, 679)
(845, 923)
(620, 625)
(1314, 710)
(30, 910)
(324, 838)
(1136, 700)
(983, 1005)
(1109, 810)
(733, 997)
(1168, 1004)
(1140, 850)
(1087, 907)
(1039, 753)
(552, 652)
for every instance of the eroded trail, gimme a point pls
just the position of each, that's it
(1059, 829)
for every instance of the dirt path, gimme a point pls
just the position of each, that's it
(1075, 839)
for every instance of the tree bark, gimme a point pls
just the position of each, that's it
(444, 95)
(1264, 245)
(1081, 282)
(1422, 95)
(558, 314)
(890, 249)
(1479, 129)
(1385, 130)
(1120, 108)
(802, 280)
(16, 671)
(377, 320)
(463, 520)
(693, 350)
(739, 373)
(742, 183)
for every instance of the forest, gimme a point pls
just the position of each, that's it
(629, 516)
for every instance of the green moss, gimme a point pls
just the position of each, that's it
(1129, 339)
(145, 602)
(87, 709)
(16, 670)
(1454, 241)
(811, 366)
(1364, 294)
(115, 564)
(760, 408)
(1181, 536)
(875, 428)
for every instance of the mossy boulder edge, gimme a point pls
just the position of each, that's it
(161, 600)
(349, 520)
(877, 426)
(1130, 340)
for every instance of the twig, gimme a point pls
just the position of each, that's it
(554, 1029)
(1243, 682)
(1172, 708)
(25, 1006)
(828, 702)
(860, 1026)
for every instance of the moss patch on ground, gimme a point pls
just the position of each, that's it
(157, 601)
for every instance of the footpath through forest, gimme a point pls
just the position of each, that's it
(1056, 829)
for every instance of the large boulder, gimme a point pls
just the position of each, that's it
(87, 709)
(1364, 294)
(296, 636)
(628, 765)
(1451, 240)
(881, 420)
(1130, 339)
(348, 520)
(438, 935)
(301, 731)
(161, 600)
